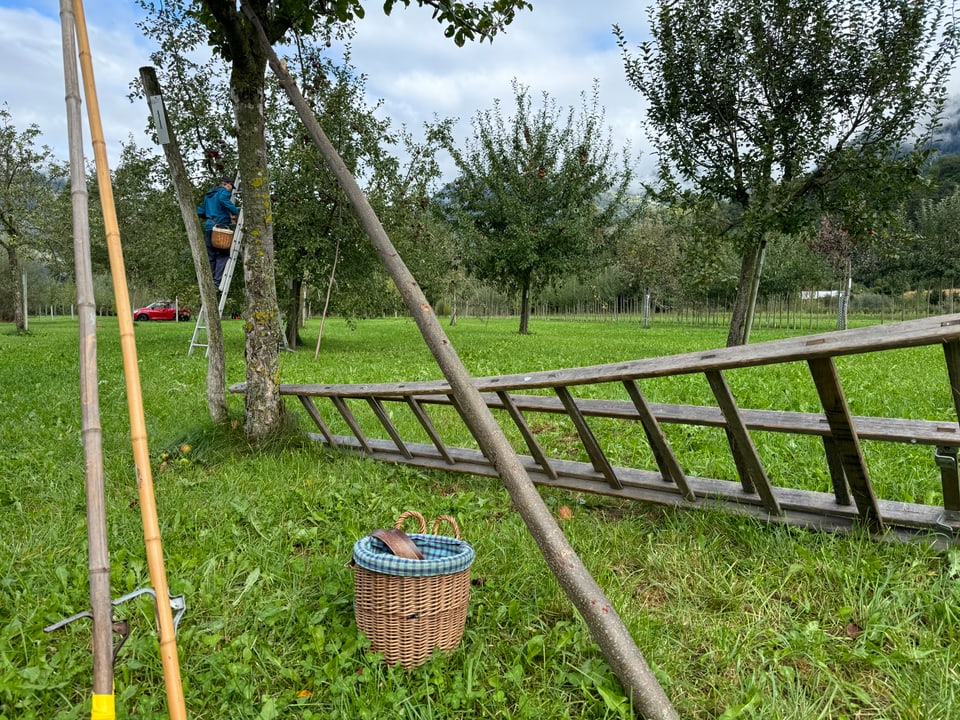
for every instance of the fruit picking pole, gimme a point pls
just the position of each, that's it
(605, 624)
(98, 562)
(138, 433)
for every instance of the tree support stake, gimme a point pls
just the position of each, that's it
(605, 624)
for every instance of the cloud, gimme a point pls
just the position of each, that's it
(559, 48)
(32, 85)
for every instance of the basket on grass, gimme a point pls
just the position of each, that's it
(221, 237)
(411, 591)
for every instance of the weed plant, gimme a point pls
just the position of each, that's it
(738, 619)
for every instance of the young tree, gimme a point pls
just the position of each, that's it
(315, 226)
(29, 180)
(834, 243)
(648, 253)
(233, 36)
(538, 193)
(935, 252)
(787, 111)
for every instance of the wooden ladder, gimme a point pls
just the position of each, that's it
(850, 501)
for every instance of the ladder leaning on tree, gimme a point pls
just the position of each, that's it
(199, 338)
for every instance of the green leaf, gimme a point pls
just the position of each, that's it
(249, 583)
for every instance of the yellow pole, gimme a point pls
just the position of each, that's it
(138, 434)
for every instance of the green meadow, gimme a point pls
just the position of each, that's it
(737, 618)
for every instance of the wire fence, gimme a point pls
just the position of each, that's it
(807, 311)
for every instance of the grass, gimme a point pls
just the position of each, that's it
(737, 619)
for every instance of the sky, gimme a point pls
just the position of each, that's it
(560, 48)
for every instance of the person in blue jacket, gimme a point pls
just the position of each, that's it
(218, 209)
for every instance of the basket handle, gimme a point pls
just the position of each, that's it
(411, 514)
(399, 543)
(449, 519)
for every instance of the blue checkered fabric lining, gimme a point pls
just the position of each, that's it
(441, 556)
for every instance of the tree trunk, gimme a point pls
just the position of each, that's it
(525, 308)
(843, 311)
(216, 361)
(294, 313)
(16, 283)
(746, 300)
(263, 405)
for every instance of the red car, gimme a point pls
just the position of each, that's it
(161, 310)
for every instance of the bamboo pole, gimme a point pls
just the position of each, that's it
(605, 624)
(98, 566)
(138, 434)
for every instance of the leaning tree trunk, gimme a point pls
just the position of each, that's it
(746, 300)
(263, 405)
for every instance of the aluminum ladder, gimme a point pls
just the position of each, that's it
(201, 326)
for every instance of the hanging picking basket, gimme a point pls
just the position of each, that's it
(412, 590)
(221, 237)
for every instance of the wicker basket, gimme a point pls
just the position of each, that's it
(407, 616)
(221, 237)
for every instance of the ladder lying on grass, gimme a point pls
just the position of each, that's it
(850, 501)
(201, 327)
